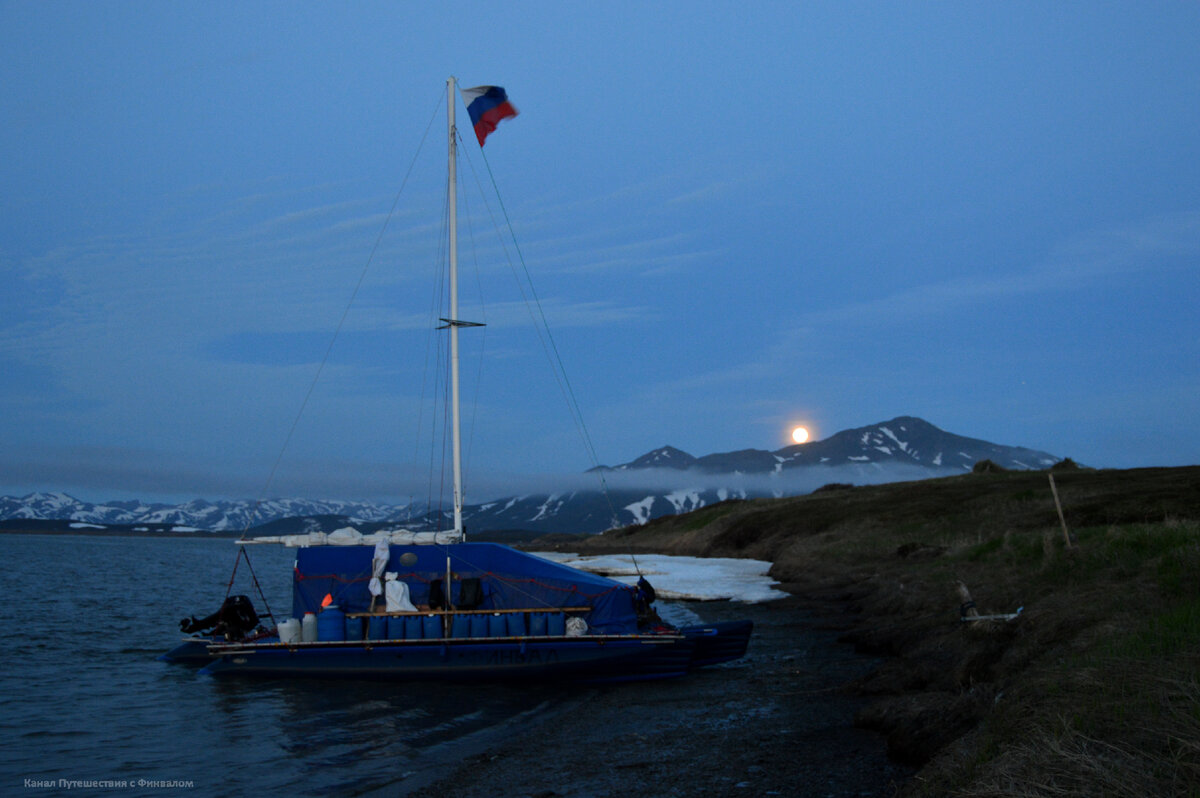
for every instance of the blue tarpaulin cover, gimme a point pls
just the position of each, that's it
(509, 579)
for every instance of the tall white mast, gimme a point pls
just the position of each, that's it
(453, 320)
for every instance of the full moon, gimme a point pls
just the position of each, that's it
(800, 434)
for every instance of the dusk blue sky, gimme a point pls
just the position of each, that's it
(738, 217)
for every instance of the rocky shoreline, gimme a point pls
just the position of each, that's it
(781, 721)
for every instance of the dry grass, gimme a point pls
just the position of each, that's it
(1058, 758)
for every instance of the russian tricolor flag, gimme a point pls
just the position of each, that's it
(487, 105)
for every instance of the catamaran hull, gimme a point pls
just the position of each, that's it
(591, 660)
(718, 642)
(190, 652)
(582, 660)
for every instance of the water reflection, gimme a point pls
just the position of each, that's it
(82, 695)
(370, 734)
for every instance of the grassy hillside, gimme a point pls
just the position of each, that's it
(1094, 689)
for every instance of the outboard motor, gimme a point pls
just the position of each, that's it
(235, 618)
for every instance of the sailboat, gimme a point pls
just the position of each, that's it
(451, 609)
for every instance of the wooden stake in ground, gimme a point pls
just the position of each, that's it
(967, 608)
(1058, 506)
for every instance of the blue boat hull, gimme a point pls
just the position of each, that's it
(589, 659)
(193, 651)
(586, 660)
(718, 642)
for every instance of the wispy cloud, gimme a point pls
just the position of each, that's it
(1148, 245)
(716, 190)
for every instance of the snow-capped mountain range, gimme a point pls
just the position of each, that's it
(661, 482)
(216, 516)
(904, 440)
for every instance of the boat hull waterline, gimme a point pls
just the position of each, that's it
(585, 659)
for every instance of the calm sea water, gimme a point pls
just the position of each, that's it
(83, 698)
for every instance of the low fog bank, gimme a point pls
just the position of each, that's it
(100, 475)
(795, 482)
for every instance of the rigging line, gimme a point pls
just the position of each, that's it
(436, 421)
(442, 378)
(447, 435)
(434, 348)
(564, 383)
(547, 340)
(440, 398)
(261, 594)
(341, 323)
(537, 328)
(237, 561)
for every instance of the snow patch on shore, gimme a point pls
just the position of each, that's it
(687, 578)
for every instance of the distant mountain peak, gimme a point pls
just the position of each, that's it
(662, 457)
(903, 448)
(903, 439)
(908, 439)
